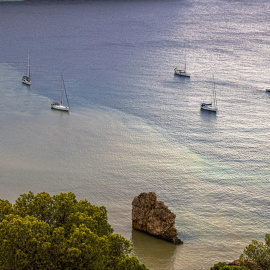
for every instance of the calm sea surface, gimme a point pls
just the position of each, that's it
(135, 127)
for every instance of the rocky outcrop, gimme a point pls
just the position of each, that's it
(153, 217)
(235, 262)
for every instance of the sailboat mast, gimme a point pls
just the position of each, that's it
(61, 88)
(65, 92)
(214, 92)
(185, 60)
(28, 65)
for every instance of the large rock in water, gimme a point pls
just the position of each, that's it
(153, 217)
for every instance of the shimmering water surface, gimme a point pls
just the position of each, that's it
(135, 127)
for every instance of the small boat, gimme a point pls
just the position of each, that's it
(60, 106)
(267, 90)
(26, 79)
(181, 72)
(212, 107)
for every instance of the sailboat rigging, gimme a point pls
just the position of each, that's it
(182, 72)
(213, 105)
(26, 79)
(60, 106)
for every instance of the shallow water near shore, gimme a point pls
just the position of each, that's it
(135, 127)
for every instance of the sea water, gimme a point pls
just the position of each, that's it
(133, 125)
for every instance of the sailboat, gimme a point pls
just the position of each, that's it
(181, 72)
(60, 106)
(26, 79)
(213, 105)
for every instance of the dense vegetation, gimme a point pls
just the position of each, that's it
(256, 256)
(59, 232)
(225, 266)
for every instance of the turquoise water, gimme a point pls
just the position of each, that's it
(133, 126)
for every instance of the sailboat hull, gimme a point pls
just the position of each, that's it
(181, 72)
(26, 80)
(60, 107)
(208, 107)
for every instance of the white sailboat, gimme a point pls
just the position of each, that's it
(212, 107)
(60, 106)
(26, 79)
(181, 72)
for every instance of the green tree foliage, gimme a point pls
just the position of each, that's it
(6, 208)
(224, 266)
(22, 241)
(256, 256)
(59, 232)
